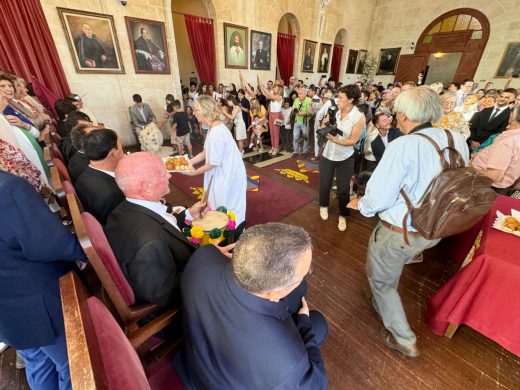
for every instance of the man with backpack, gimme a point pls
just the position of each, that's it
(410, 163)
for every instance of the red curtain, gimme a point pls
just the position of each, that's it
(336, 62)
(285, 52)
(202, 42)
(27, 47)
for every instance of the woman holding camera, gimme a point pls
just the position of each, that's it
(338, 154)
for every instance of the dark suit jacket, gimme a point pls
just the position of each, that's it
(269, 349)
(481, 128)
(261, 59)
(151, 252)
(67, 149)
(99, 193)
(378, 147)
(77, 164)
(35, 250)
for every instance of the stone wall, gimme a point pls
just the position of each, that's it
(110, 95)
(370, 24)
(392, 15)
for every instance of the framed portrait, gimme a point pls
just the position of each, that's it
(324, 58)
(149, 46)
(388, 60)
(352, 61)
(235, 46)
(92, 41)
(260, 50)
(309, 54)
(510, 62)
(361, 61)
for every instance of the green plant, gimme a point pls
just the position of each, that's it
(369, 68)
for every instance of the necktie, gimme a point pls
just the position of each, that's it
(493, 115)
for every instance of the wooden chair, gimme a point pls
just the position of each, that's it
(47, 155)
(95, 245)
(100, 356)
(62, 169)
(56, 153)
(56, 183)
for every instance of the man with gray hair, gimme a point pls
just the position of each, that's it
(409, 163)
(246, 322)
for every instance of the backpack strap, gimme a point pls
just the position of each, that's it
(444, 163)
(456, 160)
(409, 205)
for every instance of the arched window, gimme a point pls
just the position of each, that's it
(458, 22)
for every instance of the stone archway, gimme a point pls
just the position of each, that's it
(289, 24)
(341, 39)
(464, 31)
(203, 8)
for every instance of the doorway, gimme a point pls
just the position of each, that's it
(442, 67)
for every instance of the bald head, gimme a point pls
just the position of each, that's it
(142, 175)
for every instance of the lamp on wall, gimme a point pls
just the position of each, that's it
(123, 2)
(439, 54)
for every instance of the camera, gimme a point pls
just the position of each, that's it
(332, 127)
(297, 109)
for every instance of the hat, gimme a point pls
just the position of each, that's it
(75, 97)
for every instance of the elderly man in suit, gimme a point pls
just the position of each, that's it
(145, 235)
(386, 134)
(36, 249)
(140, 114)
(246, 322)
(96, 186)
(491, 120)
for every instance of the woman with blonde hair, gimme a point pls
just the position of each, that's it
(452, 120)
(257, 113)
(222, 162)
(275, 114)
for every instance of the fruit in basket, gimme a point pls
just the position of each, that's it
(170, 164)
(512, 223)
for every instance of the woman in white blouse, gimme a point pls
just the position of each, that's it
(222, 161)
(338, 155)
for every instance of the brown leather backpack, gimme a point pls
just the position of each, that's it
(455, 200)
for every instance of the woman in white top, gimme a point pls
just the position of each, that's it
(222, 161)
(238, 120)
(275, 114)
(338, 154)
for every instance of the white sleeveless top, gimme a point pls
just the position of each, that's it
(336, 152)
(275, 106)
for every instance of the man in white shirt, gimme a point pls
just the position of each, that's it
(409, 163)
(192, 95)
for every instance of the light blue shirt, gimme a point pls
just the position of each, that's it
(411, 163)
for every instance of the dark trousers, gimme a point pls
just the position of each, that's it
(343, 171)
(285, 138)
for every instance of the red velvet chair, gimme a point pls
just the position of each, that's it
(62, 169)
(100, 255)
(100, 355)
(56, 152)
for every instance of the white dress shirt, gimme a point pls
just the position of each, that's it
(161, 209)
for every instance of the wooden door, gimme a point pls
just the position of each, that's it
(409, 66)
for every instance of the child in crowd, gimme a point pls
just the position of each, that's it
(194, 125)
(285, 129)
(180, 131)
(257, 128)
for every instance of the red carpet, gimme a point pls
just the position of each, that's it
(269, 202)
(301, 171)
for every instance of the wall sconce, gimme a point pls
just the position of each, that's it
(412, 46)
(123, 2)
(438, 54)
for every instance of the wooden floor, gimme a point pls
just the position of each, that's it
(355, 358)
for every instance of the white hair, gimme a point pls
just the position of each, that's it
(419, 104)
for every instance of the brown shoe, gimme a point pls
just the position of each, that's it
(389, 340)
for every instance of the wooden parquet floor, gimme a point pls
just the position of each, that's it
(355, 358)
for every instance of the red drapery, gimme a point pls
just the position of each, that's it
(202, 42)
(336, 62)
(285, 52)
(27, 47)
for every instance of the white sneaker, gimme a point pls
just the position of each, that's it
(251, 145)
(3, 347)
(324, 213)
(342, 224)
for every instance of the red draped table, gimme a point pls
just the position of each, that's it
(485, 294)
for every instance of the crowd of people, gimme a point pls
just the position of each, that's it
(238, 295)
